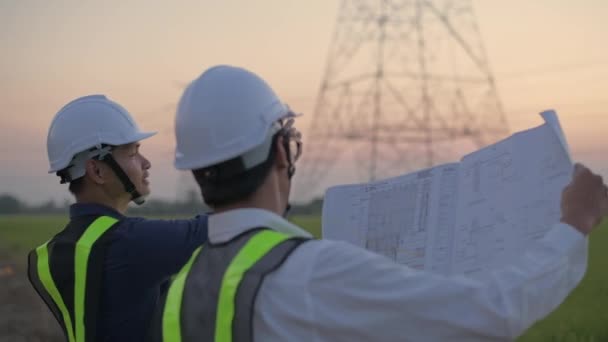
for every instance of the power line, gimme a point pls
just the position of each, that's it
(552, 69)
(529, 111)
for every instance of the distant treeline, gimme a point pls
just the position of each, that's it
(191, 205)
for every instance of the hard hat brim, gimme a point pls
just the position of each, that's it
(142, 136)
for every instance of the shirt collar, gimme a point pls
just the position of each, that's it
(226, 225)
(85, 209)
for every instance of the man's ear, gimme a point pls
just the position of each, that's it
(282, 161)
(95, 171)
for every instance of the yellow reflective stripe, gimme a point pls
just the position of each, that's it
(44, 273)
(252, 252)
(172, 331)
(81, 259)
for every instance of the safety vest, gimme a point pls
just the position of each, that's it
(67, 271)
(212, 297)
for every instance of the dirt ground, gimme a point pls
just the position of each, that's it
(23, 315)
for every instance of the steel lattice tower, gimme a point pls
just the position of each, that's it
(405, 83)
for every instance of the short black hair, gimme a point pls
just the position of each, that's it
(76, 186)
(218, 193)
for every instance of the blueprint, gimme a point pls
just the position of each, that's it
(395, 217)
(460, 218)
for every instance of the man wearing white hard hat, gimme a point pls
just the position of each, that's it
(102, 275)
(261, 278)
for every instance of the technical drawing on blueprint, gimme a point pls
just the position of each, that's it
(460, 218)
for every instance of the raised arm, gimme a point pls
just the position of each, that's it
(159, 248)
(358, 295)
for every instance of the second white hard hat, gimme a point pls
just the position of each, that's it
(87, 122)
(223, 114)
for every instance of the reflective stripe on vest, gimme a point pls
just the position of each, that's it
(212, 297)
(75, 328)
(173, 306)
(44, 273)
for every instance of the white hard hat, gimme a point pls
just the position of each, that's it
(85, 123)
(226, 113)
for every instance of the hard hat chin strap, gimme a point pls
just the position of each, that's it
(291, 169)
(287, 209)
(124, 179)
(290, 172)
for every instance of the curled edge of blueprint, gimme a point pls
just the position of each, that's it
(550, 117)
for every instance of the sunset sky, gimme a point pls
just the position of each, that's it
(141, 53)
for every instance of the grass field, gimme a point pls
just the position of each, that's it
(582, 318)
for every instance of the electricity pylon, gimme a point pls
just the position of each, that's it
(406, 82)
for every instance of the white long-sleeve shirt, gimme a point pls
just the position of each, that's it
(333, 291)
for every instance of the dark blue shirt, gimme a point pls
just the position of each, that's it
(141, 256)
